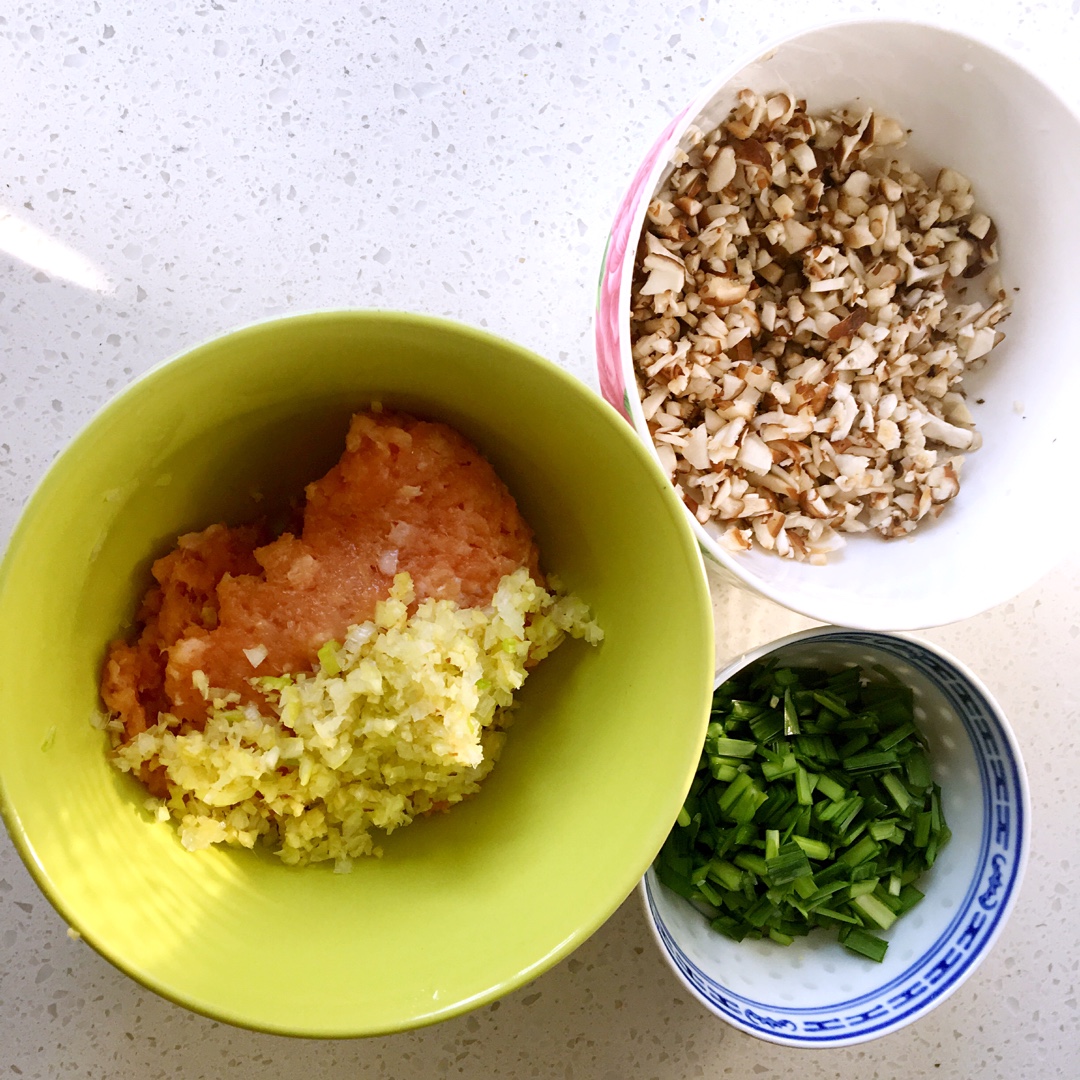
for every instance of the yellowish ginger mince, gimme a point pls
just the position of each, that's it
(405, 716)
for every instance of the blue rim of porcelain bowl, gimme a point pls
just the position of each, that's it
(979, 918)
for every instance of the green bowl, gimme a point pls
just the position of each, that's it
(463, 907)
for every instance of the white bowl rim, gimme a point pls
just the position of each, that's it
(1022, 846)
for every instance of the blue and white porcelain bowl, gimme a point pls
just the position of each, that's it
(814, 993)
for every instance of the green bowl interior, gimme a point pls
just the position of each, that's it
(463, 907)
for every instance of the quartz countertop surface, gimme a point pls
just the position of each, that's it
(170, 171)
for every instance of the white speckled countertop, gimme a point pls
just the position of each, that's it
(171, 170)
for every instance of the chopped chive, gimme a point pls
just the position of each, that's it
(804, 786)
(754, 863)
(832, 702)
(730, 927)
(744, 710)
(891, 902)
(831, 789)
(935, 843)
(921, 835)
(744, 835)
(767, 726)
(785, 766)
(746, 806)
(909, 897)
(871, 761)
(814, 849)
(760, 912)
(832, 913)
(789, 864)
(823, 894)
(772, 844)
(935, 809)
(874, 910)
(726, 874)
(856, 743)
(861, 888)
(791, 717)
(868, 945)
(731, 794)
(895, 787)
(917, 767)
(896, 736)
(734, 748)
(723, 770)
(710, 894)
(850, 810)
(673, 880)
(886, 830)
(813, 805)
(866, 848)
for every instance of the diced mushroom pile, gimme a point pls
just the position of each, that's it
(801, 321)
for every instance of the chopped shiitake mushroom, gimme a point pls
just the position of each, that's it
(804, 309)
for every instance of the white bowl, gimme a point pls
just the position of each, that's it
(815, 993)
(975, 109)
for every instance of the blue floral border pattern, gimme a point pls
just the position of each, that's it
(962, 944)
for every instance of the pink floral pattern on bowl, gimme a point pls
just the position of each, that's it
(611, 305)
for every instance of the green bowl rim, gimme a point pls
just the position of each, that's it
(613, 899)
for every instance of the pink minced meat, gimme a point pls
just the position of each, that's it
(407, 495)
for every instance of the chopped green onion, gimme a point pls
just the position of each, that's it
(887, 830)
(791, 717)
(871, 761)
(909, 897)
(866, 848)
(710, 894)
(921, 836)
(861, 888)
(895, 787)
(726, 874)
(874, 910)
(735, 748)
(840, 916)
(804, 786)
(814, 849)
(772, 844)
(896, 736)
(767, 726)
(868, 945)
(832, 702)
(831, 789)
(813, 806)
(723, 769)
(917, 767)
(754, 863)
(780, 766)
(790, 863)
